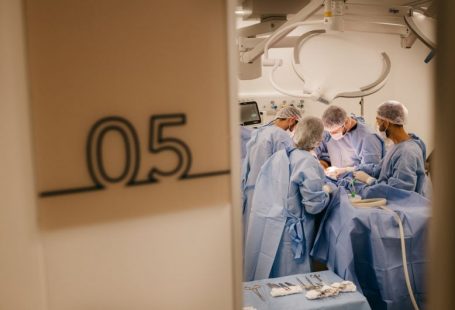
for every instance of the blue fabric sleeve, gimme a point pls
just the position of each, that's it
(404, 173)
(312, 179)
(372, 169)
(321, 151)
(371, 154)
(283, 145)
(281, 141)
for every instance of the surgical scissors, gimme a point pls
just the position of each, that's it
(255, 289)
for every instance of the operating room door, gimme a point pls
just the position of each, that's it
(129, 144)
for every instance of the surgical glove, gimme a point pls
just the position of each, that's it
(326, 188)
(331, 172)
(334, 172)
(364, 177)
(340, 171)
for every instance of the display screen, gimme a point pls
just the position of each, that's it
(249, 113)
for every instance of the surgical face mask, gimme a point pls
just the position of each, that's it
(339, 134)
(290, 133)
(383, 135)
(291, 129)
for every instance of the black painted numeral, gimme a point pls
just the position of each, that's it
(160, 143)
(95, 139)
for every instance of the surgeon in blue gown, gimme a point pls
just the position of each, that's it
(348, 143)
(290, 191)
(245, 135)
(264, 142)
(403, 167)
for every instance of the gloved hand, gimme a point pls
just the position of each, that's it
(334, 172)
(326, 188)
(331, 172)
(364, 177)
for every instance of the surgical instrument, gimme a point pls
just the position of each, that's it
(303, 285)
(255, 289)
(273, 285)
(317, 276)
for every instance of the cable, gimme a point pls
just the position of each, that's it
(380, 203)
(403, 255)
(370, 203)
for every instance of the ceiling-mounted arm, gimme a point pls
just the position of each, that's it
(425, 40)
(312, 7)
(265, 26)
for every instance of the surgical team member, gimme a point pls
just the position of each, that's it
(290, 190)
(245, 135)
(403, 166)
(348, 143)
(264, 142)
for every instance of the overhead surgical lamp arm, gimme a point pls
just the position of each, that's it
(303, 14)
(277, 62)
(282, 90)
(297, 47)
(364, 91)
(373, 87)
(422, 37)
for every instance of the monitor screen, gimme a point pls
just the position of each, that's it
(249, 113)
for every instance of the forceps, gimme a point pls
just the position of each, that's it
(303, 285)
(255, 289)
(317, 276)
(312, 284)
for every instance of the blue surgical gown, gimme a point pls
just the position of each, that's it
(245, 135)
(264, 142)
(403, 166)
(281, 233)
(359, 147)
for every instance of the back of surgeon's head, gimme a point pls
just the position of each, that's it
(288, 112)
(393, 111)
(334, 117)
(308, 133)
